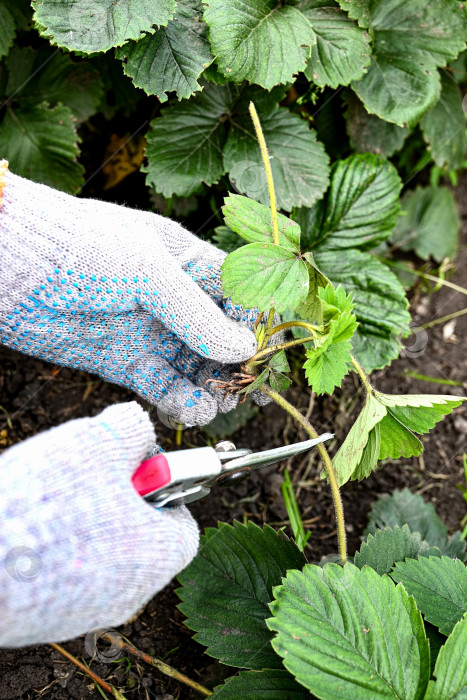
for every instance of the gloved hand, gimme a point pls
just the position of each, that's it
(125, 294)
(80, 550)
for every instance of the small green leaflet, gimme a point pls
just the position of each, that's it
(388, 421)
(386, 547)
(172, 59)
(443, 126)
(252, 221)
(89, 26)
(380, 304)
(451, 667)
(42, 143)
(396, 440)
(439, 587)
(429, 224)
(260, 42)
(266, 276)
(350, 633)
(350, 453)
(369, 133)
(410, 41)
(342, 50)
(328, 363)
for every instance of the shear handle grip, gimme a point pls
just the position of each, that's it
(152, 475)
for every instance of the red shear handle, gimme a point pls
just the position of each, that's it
(151, 475)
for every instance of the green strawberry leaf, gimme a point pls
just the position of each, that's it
(279, 362)
(279, 382)
(426, 212)
(264, 43)
(342, 50)
(451, 667)
(443, 126)
(266, 276)
(185, 144)
(360, 208)
(227, 589)
(350, 633)
(369, 133)
(386, 547)
(439, 587)
(419, 412)
(41, 141)
(172, 59)
(411, 40)
(89, 26)
(8, 32)
(57, 79)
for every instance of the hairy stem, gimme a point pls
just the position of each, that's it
(361, 373)
(280, 346)
(267, 167)
(291, 324)
(160, 665)
(327, 465)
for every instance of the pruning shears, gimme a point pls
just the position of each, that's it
(183, 476)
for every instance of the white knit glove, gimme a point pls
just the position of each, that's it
(80, 550)
(125, 294)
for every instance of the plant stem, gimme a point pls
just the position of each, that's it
(327, 465)
(160, 665)
(419, 273)
(267, 167)
(361, 373)
(442, 319)
(109, 688)
(280, 346)
(434, 380)
(291, 324)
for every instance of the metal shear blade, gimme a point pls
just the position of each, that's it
(239, 459)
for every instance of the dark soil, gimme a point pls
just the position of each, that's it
(36, 395)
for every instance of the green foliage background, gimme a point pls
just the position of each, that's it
(340, 88)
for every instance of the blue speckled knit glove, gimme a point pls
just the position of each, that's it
(80, 550)
(125, 294)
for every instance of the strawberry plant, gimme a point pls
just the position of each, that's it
(275, 274)
(340, 88)
(391, 624)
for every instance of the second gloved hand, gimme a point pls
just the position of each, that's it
(80, 550)
(125, 294)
